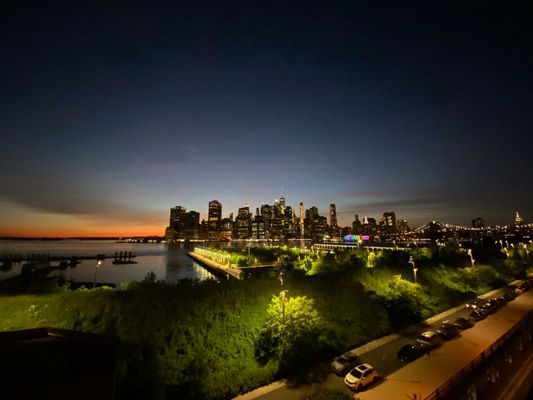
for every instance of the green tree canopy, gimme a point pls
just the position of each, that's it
(293, 328)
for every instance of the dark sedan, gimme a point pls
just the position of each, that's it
(410, 352)
(447, 331)
(463, 323)
(477, 315)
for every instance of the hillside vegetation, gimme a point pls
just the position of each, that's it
(213, 340)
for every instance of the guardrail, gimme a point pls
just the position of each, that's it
(457, 378)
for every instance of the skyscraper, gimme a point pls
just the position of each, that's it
(258, 227)
(176, 224)
(334, 230)
(282, 204)
(316, 226)
(402, 226)
(356, 225)
(213, 220)
(266, 212)
(183, 224)
(332, 216)
(192, 225)
(177, 215)
(302, 220)
(226, 228)
(289, 227)
(389, 222)
(243, 223)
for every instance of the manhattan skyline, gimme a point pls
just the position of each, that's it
(111, 115)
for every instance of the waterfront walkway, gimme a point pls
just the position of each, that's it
(216, 267)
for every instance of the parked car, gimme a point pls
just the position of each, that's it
(361, 376)
(447, 330)
(477, 315)
(475, 304)
(343, 363)
(411, 352)
(487, 309)
(525, 285)
(429, 339)
(463, 323)
(502, 300)
(518, 290)
(510, 295)
(495, 304)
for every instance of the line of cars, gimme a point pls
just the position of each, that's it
(428, 340)
(478, 310)
(365, 374)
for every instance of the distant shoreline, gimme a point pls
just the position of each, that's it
(44, 239)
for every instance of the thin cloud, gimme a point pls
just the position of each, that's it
(391, 205)
(62, 198)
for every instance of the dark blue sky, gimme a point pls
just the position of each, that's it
(112, 114)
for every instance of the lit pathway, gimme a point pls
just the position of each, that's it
(219, 267)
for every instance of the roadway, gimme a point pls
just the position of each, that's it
(382, 356)
(429, 372)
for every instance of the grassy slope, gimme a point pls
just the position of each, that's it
(199, 340)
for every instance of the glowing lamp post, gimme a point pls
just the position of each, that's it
(98, 264)
(471, 257)
(282, 296)
(412, 262)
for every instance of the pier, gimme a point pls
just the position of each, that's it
(216, 268)
(40, 263)
(222, 267)
(30, 257)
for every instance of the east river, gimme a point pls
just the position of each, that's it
(168, 262)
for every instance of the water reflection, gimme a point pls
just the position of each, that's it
(169, 263)
(180, 266)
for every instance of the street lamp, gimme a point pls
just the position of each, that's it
(471, 257)
(98, 264)
(282, 296)
(412, 262)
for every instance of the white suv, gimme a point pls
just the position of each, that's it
(361, 376)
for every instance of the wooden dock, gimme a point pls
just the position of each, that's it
(31, 257)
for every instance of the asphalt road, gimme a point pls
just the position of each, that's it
(383, 358)
(420, 379)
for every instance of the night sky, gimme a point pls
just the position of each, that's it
(111, 114)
